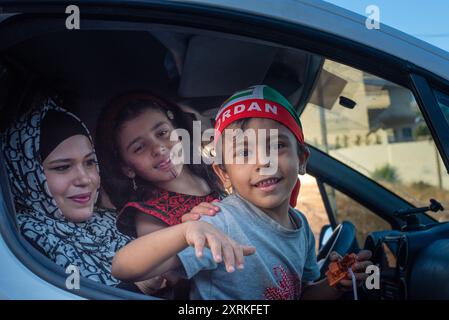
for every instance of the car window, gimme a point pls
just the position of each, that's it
(376, 127)
(364, 220)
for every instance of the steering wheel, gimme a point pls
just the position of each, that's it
(341, 241)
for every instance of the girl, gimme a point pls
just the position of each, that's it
(151, 191)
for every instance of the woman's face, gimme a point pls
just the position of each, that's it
(72, 177)
(145, 146)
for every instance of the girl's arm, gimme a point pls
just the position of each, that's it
(155, 254)
(149, 256)
(146, 224)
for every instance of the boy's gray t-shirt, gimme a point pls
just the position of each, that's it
(283, 258)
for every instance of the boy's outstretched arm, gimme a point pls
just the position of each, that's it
(155, 254)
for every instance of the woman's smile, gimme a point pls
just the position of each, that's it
(83, 198)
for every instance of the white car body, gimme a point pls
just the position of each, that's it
(332, 19)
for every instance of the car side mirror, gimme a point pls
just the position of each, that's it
(325, 234)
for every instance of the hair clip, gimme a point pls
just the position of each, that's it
(170, 115)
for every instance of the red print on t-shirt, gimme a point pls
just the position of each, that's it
(288, 288)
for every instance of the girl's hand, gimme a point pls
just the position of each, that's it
(359, 267)
(200, 234)
(203, 209)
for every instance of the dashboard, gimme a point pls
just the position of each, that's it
(413, 264)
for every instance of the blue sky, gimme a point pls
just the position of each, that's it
(427, 20)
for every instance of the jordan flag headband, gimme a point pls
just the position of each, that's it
(260, 102)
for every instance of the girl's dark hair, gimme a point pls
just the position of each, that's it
(120, 110)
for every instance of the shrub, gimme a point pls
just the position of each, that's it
(386, 173)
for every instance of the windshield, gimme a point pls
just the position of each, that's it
(376, 127)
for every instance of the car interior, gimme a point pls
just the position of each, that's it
(198, 69)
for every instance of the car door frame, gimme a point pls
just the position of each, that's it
(431, 111)
(336, 174)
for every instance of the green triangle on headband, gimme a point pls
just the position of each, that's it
(240, 94)
(273, 95)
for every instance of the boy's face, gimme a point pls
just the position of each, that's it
(249, 180)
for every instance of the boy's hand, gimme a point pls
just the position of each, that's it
(199, 234)
(359, 267)
(203, 209)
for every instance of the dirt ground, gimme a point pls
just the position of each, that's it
(311, 205)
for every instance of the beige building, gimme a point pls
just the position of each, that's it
(384, 128)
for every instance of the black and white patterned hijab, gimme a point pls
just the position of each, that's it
(89, 245)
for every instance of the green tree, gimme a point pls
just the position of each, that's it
(422, 131)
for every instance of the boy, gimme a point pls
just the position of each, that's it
(257, 214)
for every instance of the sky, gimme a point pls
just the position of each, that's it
(427, 20)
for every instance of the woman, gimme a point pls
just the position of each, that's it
(55, 179)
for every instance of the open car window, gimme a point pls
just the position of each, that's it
(375, 127)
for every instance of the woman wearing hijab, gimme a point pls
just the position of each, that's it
(54, 177)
